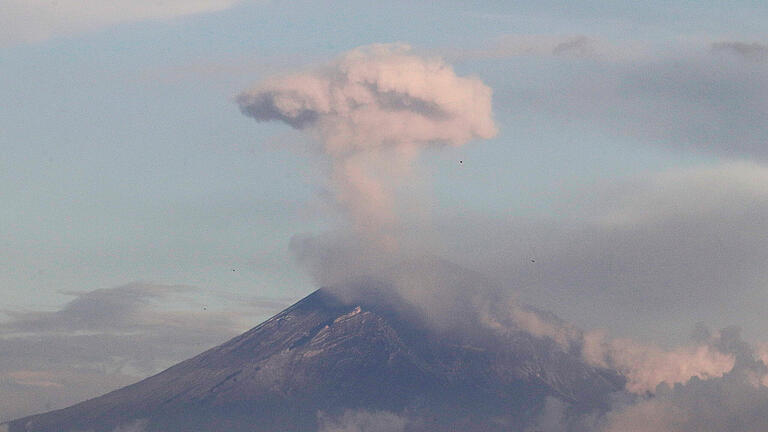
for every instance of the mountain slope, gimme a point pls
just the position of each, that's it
(324, 356)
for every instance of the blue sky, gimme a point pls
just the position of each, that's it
(125, 159)
(123, 151)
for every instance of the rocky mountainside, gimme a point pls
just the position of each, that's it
(324, 356)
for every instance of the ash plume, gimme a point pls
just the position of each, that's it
(374, 109)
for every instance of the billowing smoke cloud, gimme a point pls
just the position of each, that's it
(648, 366)
(374, 109)
(645, 366)
(733, 402)
(450, 296)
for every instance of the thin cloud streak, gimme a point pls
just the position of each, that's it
(38, 20)
(575, 47)
(106, 339)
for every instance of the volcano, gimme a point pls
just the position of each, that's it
(329, 355)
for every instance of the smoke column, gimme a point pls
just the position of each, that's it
(374, 109)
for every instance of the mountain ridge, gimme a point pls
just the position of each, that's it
(326, 355)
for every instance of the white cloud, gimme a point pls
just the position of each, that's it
(38, 20)
(647, 366)
(644, 365)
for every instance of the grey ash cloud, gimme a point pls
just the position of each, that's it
(580, 46)
(711, 99)
(647, 256)
(749, 50)
(374, 110)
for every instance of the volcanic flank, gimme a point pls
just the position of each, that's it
(332, 354)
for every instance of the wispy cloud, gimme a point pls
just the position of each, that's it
(38, 20)
(701, 98)
(550, 45)
(752, 51)
(105, 339)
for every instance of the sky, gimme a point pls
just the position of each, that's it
(622, 184)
